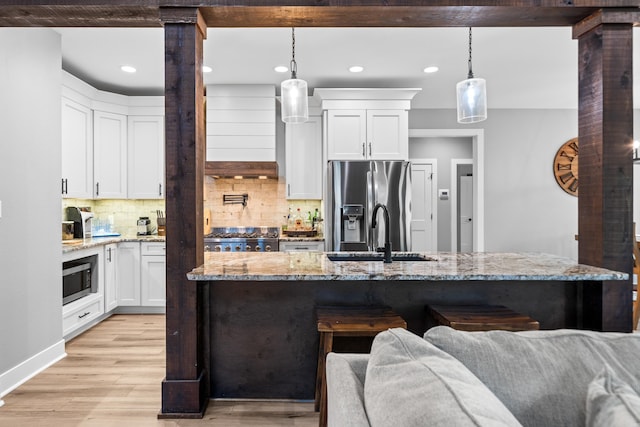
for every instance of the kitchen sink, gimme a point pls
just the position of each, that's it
(377, 256)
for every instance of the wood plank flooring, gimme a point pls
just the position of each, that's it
(111, 377)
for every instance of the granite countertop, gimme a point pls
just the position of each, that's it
(80, 244)
(482, 266)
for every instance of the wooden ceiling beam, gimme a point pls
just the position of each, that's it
(309, 13)
(606, 16)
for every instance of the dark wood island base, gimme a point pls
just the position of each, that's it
(264, 340)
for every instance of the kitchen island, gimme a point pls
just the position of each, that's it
(258, 309)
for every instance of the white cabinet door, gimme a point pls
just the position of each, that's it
(146, 157)
(303, 147)
(110, 277)
(153, 275)
(128, 275)
(110, 155)
(77, 150)
(367, 135)
(387, 134)
(346, 134)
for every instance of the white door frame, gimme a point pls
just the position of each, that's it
(477, 142)
(454, 200)
(434, 197)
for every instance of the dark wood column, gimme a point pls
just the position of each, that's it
(185, 390)
(605, 205)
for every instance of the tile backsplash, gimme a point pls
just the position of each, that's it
(123, 214)
(267, 204)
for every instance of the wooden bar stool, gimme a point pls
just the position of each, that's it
(347, 322)
(482, 318)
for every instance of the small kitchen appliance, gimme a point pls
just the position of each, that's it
(144, 226)
(82, 221)
(242, 239)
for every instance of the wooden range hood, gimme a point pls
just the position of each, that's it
(241, 169)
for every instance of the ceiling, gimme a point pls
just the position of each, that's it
(524, 67)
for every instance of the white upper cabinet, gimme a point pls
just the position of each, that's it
(346, 134)
(110, 155)
(303, 157)
(146, 157)
(241, 123)
(388, 134)
(367, 124)
(77, 150)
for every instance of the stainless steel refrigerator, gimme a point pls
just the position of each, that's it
(354, 188)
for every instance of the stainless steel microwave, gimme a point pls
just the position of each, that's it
(76, 281)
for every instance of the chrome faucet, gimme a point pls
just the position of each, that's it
(387, 239)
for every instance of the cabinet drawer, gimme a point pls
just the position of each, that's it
(301, 246)
(153, 248)
(82, 313)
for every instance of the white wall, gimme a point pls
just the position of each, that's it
(30, 173)
(444, 149)
(525, 210)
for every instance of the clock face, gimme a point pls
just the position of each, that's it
(565, 167)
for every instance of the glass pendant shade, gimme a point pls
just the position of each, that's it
(294, 102)
(472, 100)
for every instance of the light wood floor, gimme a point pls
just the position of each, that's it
(112, 377)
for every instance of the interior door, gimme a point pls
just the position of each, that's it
(466, 214)
(422, 214)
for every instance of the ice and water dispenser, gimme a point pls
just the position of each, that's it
(353, 231)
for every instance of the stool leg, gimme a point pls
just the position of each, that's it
(324, 347)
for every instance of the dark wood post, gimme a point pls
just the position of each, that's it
(185, 389)
(605, 205)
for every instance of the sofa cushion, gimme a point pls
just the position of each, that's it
(542, 376)
(611, 402)
(409, 382)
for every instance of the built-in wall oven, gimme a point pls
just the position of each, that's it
(76, 280)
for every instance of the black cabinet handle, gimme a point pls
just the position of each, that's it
(84, 315)
(97, 188)
(160, 189)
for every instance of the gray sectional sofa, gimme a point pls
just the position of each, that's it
(496, 378)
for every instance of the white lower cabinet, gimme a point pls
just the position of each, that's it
(313, 246)
(128, 276)
(110, 277)
(141, 274)
(81, 312)
(153, 274)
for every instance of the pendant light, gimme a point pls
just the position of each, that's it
(293, 92)
(472, 96)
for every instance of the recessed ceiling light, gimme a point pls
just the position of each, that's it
(356, 69)
(128, 69)
(281, 69)
(206, 69)
(431, 69)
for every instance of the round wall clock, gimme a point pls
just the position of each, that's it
(565, 167)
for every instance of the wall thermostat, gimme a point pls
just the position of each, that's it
(443, 194)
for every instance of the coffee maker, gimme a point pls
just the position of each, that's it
(81, 217)
(144, 226)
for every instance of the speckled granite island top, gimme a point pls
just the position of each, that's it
(307, 266)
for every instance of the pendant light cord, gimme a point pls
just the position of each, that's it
(294, 65)
(470, 75)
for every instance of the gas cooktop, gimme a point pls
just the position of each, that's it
(243, 233)
(242, 239)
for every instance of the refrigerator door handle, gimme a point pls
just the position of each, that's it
(367, 212)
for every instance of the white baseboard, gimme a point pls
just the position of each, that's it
(14, 377)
